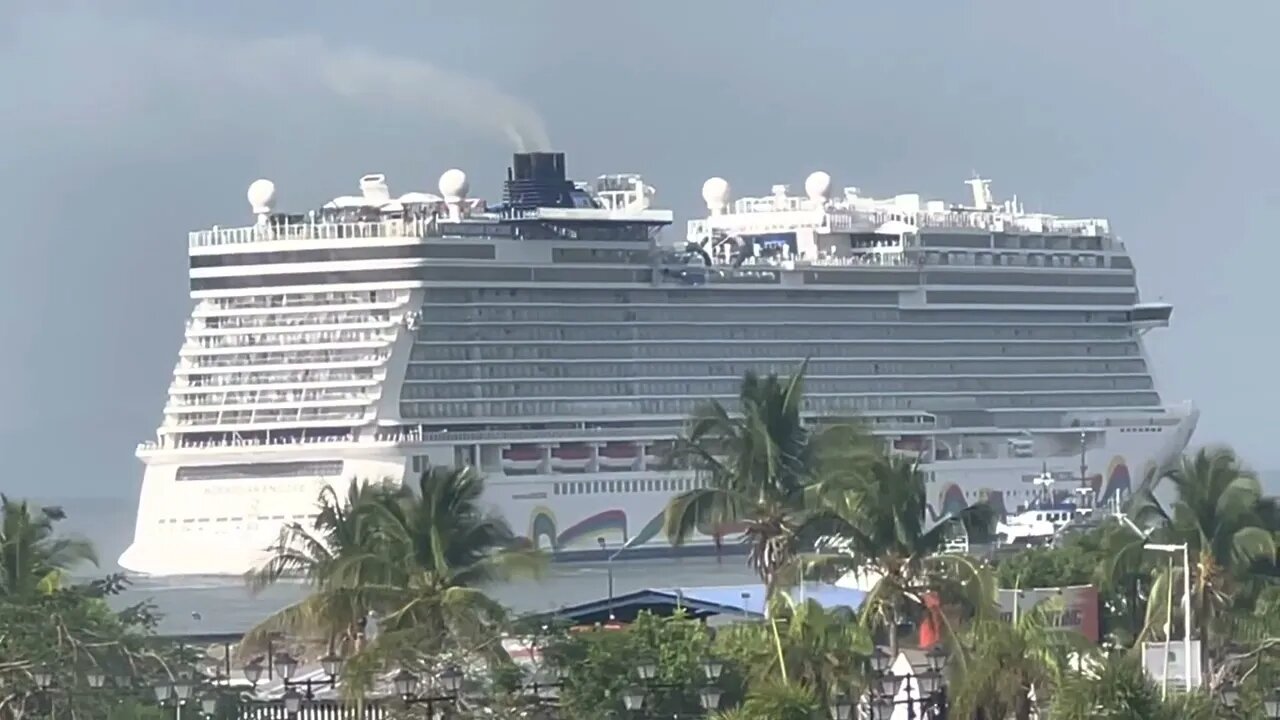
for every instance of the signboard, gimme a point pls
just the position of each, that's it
(1079, 607)
(1169, 660)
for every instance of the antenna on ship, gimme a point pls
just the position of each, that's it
(981, 192)
(262, 197)
(453, 187)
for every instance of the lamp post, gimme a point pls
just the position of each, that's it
(449, 680)
(287, 666)
(175, 689)
(608, 567)
(932, 699)
(1186, 604)
(709, 695)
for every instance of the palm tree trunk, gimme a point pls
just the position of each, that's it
(893, 637)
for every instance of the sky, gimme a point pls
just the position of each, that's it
(126, 124)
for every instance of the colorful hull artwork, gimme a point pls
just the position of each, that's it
(611, 525)
(1118, 482)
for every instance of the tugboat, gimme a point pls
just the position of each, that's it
(1048, 516)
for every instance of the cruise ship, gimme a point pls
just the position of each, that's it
(555, 340)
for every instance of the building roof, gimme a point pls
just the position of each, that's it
(745, 601)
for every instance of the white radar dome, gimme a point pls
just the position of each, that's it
(262, 196)
(817, 186)
(715, 191)
(454, 185)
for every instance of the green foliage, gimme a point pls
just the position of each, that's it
(761, 469)
(775, 701)
(1104, 557)
(409, 556)
(597, 666)
(997, 664)
(1119, 689)
(1220, 513)
(826, 651)
(877, 523)
(32, 557)
(69, 630)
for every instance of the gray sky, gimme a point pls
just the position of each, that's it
(123, 128)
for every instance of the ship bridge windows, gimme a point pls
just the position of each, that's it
(617, 369)
(614, 407)
(261, 471)
(729, 384)
(802, 330)
(714, 350)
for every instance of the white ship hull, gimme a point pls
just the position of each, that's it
(555, 343)
(225, 527)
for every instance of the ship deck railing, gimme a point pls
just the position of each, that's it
(390, 228)
(416, 435)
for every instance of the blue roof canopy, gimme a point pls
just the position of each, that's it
(746, 601)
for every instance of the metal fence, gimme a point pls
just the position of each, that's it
(318, 710)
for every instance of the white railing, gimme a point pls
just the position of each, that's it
(413, 435)
(767, 218)
(310, 231)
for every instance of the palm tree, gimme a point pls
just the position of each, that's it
(824, 650)
(32, 558)
(411, 556)
(877, 525)
(1000, 669)
(341, 557)
(760, 468)
(1119, 689)
(1219, 512)
(448, 547)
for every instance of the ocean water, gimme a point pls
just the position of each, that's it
(224, 605)
(198, 605)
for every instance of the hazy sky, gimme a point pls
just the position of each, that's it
(123, 128)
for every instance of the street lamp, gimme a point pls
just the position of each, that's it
(841, 708)
(926, 692)
(1186, 603)
(292, 702)
(406, 684)
(709, 696)
(163, 692)
(95, 678)
(1272, 705)
(880, 660)
(633, 697)
(253, 671)
(1230, 696)
(209, 705)
(181, 689)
